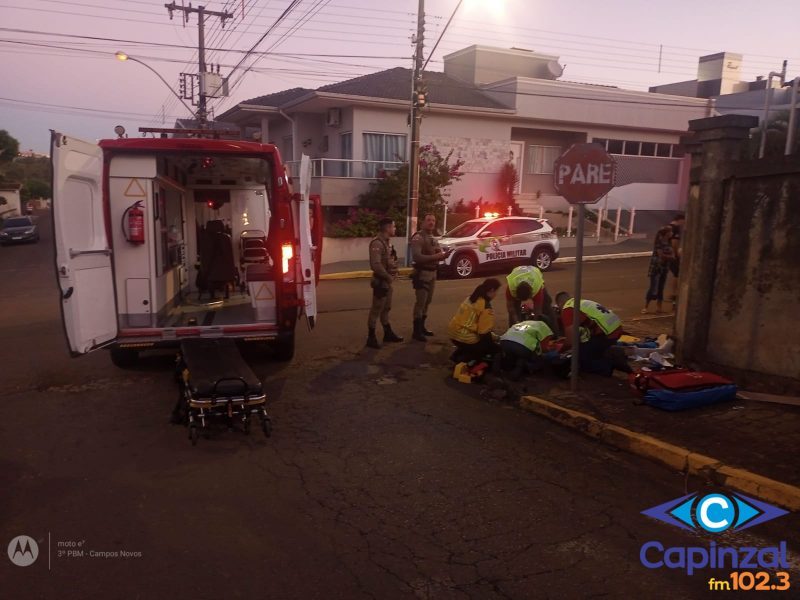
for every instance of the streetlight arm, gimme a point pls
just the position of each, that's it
(144, 64)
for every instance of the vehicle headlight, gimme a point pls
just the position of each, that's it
(31, 230)
(3, 234)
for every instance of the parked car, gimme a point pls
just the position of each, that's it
(19, 229)
(499, 242)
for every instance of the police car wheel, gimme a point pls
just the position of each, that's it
(463, 266)
(542, 258)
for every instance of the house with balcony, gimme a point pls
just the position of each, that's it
(490, 106)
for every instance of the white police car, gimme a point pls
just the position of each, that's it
(501, 242)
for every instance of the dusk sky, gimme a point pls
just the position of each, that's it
(56, 77)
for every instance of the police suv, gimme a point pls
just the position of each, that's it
(501, 242)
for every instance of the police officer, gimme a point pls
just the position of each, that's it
(526, 286)
(426, 254)
(600, 329)
(383, 262)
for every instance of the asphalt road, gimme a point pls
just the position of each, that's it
(383, 479)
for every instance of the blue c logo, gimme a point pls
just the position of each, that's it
(715, 513)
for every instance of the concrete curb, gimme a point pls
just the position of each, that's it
(564, 260)
(358, 274)
(669, 455)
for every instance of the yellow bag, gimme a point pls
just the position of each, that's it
(461, 373)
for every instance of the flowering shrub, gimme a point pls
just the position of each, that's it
(388, 196)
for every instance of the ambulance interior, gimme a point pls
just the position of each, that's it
(205, 260)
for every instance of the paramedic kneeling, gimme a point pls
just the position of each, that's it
(526, 286)
(470, 329)
(599, 330)
(523, 345)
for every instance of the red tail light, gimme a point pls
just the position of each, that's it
(287, 253)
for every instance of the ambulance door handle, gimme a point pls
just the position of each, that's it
(74, 253)
(68, 293)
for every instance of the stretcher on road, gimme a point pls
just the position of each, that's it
(217, 384)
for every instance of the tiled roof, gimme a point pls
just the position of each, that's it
(392, 84)
(395, 84)
(279, 98)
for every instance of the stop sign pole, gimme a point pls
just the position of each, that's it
(583, 174)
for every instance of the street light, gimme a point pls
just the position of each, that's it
(121, 56)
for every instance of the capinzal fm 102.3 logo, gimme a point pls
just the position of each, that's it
(713, 513)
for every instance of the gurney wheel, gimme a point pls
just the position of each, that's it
(266, 427)
(246, 426)
(194, 434)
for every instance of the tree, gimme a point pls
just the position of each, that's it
(389, 195)
(777, 131)
(35, 188)
(9, 146)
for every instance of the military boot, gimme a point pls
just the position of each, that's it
(390, 336)
(372, 341)
(419, 334)
(425, 330)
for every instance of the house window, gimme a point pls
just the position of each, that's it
(601, 141)
(346, 146)
(615, 146)
(664, 150)
(541, 159)
(648, 149)
(346, 154)
(632, 148)
(382, 148)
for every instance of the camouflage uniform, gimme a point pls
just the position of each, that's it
(383, 262)
(423, 247)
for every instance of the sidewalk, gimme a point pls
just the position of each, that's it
(736, 444)
(591, 248)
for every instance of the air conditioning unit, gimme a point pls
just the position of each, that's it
(334, 117)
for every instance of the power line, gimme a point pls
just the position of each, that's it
(182, 46)
(34, 105)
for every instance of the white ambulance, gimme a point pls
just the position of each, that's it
(160, 240)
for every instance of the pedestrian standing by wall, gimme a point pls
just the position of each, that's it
(677, 225)
(426, 254)
(659, 268)
(383, 262)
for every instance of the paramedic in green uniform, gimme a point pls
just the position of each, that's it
(426, 254)
(526, 286)
(600, 329)
(523, 345)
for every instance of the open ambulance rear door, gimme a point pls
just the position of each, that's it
(83, 254)
(307, 247)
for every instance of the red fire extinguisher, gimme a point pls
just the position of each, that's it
(133, 223)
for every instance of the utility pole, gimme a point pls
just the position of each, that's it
(417, 103)
(202, 112)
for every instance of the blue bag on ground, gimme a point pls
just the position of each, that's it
(672, 401)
